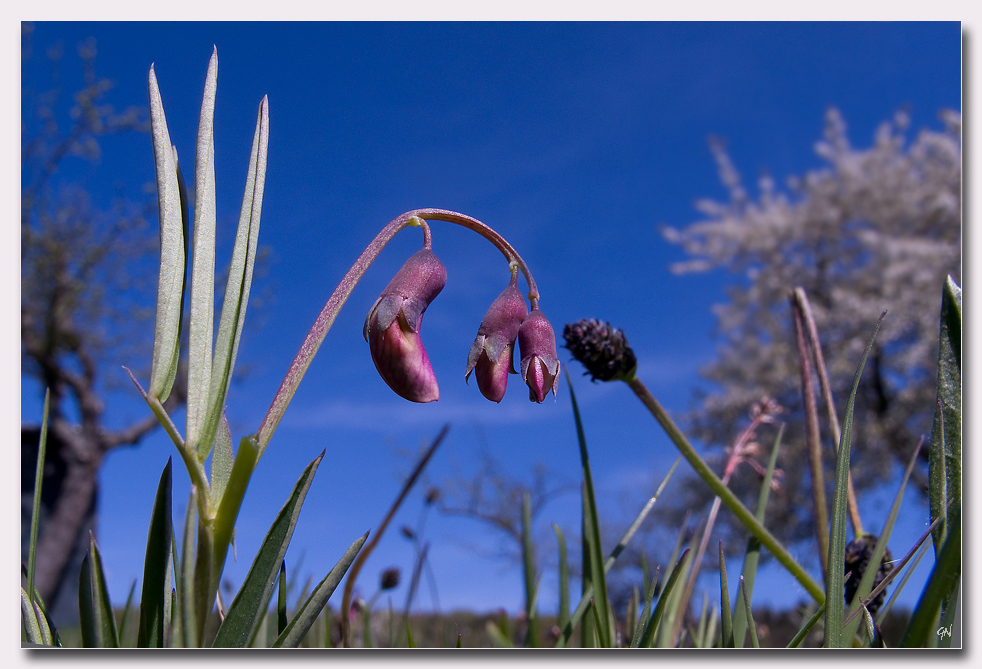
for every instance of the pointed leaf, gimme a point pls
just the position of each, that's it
(239, 277)
(945, 453)
(155, 567)
(201, 329)
(835, 587)
(249, 605)
(36, 508)
(95, 609)
(297, 628)
(170, 284)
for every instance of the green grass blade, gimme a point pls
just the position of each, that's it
(598, 576)
(835, 584)
(249, 605)
(97, 620)
(866, 583)
(528, 568)
(727, 640)
(567, 629)
(752, 557)
(563, 615)
(297, 628)
(942, 585)
(170, 285)
(745, 596)
(155, 567)
(201, 330)
(659, 612)
(186, 590)
(281, 620)
(807, 627)
(125, 618)
(239, 276)
(36, 507)
(642, 626)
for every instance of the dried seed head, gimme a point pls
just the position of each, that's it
(858, 554)
(601, 348)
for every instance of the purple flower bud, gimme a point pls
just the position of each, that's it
(540, 365)
(393, 325)
(491, 354)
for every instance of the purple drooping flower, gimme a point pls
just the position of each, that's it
(540, 364)
(392, 328)
(491, 354)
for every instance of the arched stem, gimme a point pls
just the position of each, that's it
(318, 331)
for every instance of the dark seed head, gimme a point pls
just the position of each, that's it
(601, 348)
(390, 578)
(858, 554)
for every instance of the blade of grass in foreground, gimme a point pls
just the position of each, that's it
(155, 567)
(36, 509)
(835, 585)
(752, 556)
(95, 610)
(598, 577)
(249, 605)
(297, 629)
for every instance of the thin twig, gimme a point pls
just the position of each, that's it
(349, 585)
(823, 380)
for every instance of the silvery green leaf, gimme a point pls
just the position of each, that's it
(170, 286)
(203, 269)
(239, 276)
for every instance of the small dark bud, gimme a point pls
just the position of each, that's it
(390, 578)
(432, 495)
(601, 348)
(858, 554)
(408, 532)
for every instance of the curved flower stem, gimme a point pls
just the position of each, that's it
(500, 242)
(315, 336)
(318, 331)
(748, 520)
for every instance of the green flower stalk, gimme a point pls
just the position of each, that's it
(604, 351)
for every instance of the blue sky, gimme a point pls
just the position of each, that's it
(575, 141)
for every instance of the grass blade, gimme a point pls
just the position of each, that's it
(528, 564)
(297, 628)
(249, 605)
(727, 640)
(942, 585)
(567, 629)
(659, 612)
(598, 577)
(156, 566)
(835, 583)
(563, 615)
(36, 507)
(752, 556)
(98, 622)
(749, 613)
(807, 627)
(281, 620)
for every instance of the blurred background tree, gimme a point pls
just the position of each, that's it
(87, 278)
(876, 228)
